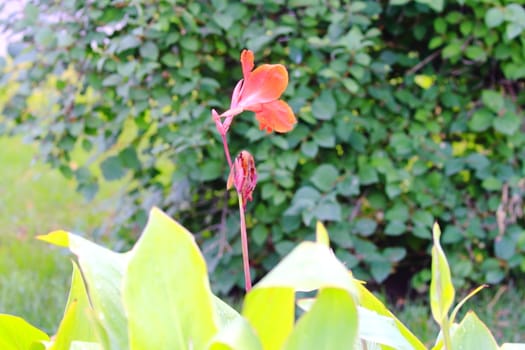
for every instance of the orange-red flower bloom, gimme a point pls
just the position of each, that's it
(243, 176)
(259, 91)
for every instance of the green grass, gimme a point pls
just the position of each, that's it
(34, 199)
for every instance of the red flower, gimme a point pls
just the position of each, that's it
(243, 176)
(259, 91)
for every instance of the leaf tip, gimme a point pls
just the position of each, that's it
(59, 238)
(436, 232)
(321, 234)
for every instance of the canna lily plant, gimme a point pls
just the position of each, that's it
(259, 91)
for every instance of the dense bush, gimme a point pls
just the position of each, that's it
(407, 114)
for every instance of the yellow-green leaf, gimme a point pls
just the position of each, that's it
(330, 324)
(102, 270)
(237, 335)
(424, 81)
(17, 334)
(78, 323)
(371, 302)
(166, 292)
(308, 267)
(271, 313)
(58, 238)
(473, 334)
(441, 288)
(321, 234)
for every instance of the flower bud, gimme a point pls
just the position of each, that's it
(243, 176)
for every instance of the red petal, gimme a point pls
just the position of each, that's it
(265, 84)
(246, 62)
(275, 116)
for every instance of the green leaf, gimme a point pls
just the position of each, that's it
(513, 30)
(309, 149)
(395, 228)
(112, 168)
(494, 17)
(17, 334)
(177, 299)
(78, 322)
(380, 329)
(399, 2)
(507, 124)
(441, 288)
(380, 270)
(224, 20)
(367, 175)
(394, 254)
(325, 106)
(149, 50)
(512, 346)
(481, 120)
(504, 247)
(45, 37)
(371, 302)
(492, 184)
(112, 80)
(225, 313)
(463, 301)
(321, 234)
(475, 53)
(365, 227)
(81, 345)
(129, 158)
(451, 50)
(324, 177)
(331, 323)
(473, 334)
(170, 60)
(102, 270)
(308, 267)
(436, 5)
(351, 85)
(493, 100)
(128, 42)
(238, 335)
(328, 210)
(271, 313)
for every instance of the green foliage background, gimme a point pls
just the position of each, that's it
(409, 112)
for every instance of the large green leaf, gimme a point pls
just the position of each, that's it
(308, 267)
(269, 307)
(78, 322)
(441, 288)
(102, 270)
(17, 334)
(473, 334)
(225, 313)
(237, 335)
(166, 291)
(331, 323)
(271, 312)
(513, 346)
(367, 330)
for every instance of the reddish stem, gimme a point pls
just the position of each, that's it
(226, 150)
(244, 245)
